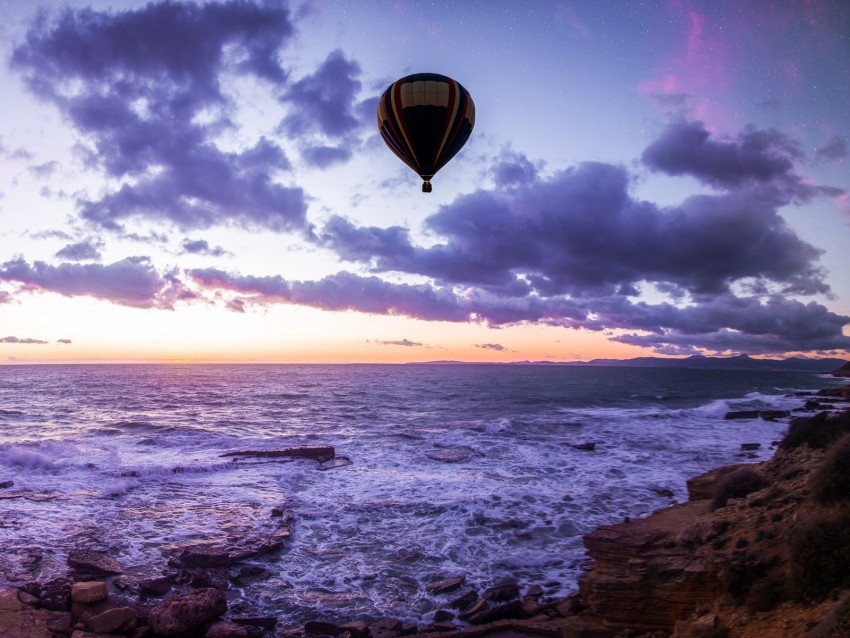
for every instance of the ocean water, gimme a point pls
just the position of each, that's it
(128, 459)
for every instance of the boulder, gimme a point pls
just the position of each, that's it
(89, 592)
(188, 611)
(445, 586)
(94, 562)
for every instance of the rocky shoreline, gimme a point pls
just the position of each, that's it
(725, 563)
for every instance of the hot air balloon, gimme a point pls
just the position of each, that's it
(426, 119)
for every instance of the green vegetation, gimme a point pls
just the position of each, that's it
(737, 484)
(831, 482)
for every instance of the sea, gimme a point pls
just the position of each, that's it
(485, 471)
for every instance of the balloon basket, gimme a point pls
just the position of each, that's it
(426, 187)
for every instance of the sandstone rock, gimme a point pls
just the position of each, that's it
(59, 622)
(702, 486)
(89, 592)
(217, 578)
(186, 612)
(27, 598)
(501, 592)
(512, 609)
(445, 586)
(111, 620)
(465, 600)
(204, 556)
(356, 629)
(156, 586)
(386, 628)
(21, 621)
(320, 453)
(55, 594)
(456, 454)
(321, 628)
(95, 562)
(226, 629)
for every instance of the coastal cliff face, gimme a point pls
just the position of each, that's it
(759, 551)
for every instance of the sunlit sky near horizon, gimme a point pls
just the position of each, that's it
(186, 181)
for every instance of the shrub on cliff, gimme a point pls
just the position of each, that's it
(831, 482)
(820, 556)
(737, 484)
(817, 431)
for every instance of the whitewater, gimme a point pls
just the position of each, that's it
(128, 459)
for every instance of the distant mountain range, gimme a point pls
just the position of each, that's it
(740, 362)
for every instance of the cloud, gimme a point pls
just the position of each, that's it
(404, 342)
(5, 297)
(834, 149)
(27, 341)
(81, 251)
(143, 87)
(64, 341)
(498, 347)
(325, 156)
(579, 232)
(202, 247)
(324, 101)
(133, 281)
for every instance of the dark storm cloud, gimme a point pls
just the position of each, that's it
(134, 84)
(130, 282)
(756, 158)
(87, 250)
(26, 341)
(835, 148)
(579, 232)
(202, 247)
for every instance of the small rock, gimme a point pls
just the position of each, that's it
(263, 622)
(445, 586)
(511, 609)
(442, 627)
(535, 591)
(666, 493)
(59, 622)
(746, 447)
(111, 620)
(339, 461)
(477, 608)
(27, 598)
(216, 578)
(456, 454)
(6, 484)
(204, 556)
(89, 592)
(320, 453)
(96, 562)
(442, 615)
(55, 594)
(587, 447)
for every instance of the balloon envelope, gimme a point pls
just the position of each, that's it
(426, 119)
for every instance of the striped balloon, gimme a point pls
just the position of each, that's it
(426, 119)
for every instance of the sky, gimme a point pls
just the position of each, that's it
(186, 181)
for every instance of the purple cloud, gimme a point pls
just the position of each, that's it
(26, 341)
(764, 158)
(325, 100)
(498, 347)
(87, 250)
(403, 342)
(64, 341)
(325, 156)
(834, 149)
(135, 82)
(579, 232)
(202, 247)
(130, 282)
